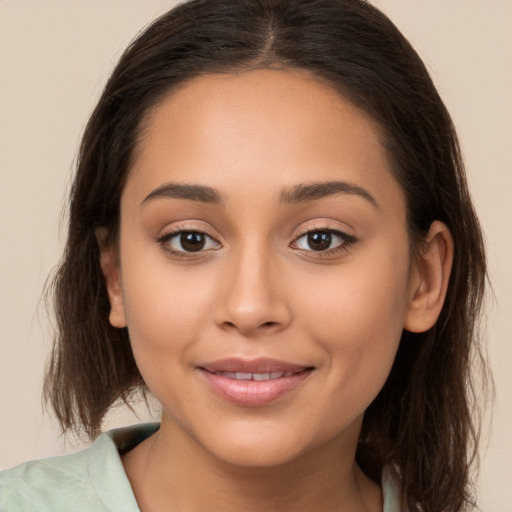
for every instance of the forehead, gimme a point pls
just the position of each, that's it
(282, 127)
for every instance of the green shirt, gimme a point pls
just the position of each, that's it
(93, 479)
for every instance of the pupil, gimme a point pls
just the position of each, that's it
(192, 242)
(319, 240)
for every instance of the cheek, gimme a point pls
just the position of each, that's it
(357, 315)
(165, 310)
(166, 316)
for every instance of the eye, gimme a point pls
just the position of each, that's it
(188, 242)
(323, 240)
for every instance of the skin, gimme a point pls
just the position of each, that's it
(259, 290)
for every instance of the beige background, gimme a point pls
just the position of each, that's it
(54, 58)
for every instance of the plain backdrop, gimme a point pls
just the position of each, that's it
(54, 59)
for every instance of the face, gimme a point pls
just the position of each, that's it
(264, 269)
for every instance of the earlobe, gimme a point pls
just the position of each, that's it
(429, 283)
(109, 263)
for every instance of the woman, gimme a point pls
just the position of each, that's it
(270, 231)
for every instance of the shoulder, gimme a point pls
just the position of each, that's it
(46, 482)
(92, 479)
(68, 482)
(391, 490)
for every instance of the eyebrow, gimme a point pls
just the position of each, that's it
(318, 190)
(300, 193)
(201, 193)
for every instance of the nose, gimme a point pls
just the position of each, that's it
(253, 299)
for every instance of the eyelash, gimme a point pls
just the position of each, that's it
(164, 242)
(346, 241)
(344, 245)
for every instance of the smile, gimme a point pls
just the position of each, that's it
(253, 383)
(254, 376)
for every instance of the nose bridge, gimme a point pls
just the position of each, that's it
(253, 300)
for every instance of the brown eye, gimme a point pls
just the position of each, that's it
(323, 240)
(188, 242)
(319, 240)
(192, 241)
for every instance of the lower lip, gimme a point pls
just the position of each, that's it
(254, 393)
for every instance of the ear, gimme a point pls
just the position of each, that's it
(109, 263)
(429, 279)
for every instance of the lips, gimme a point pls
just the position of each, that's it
(253, 383)
(254, 376)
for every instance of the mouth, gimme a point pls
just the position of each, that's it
(256, 376)
(253, 383)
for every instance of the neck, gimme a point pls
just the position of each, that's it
(170, 471)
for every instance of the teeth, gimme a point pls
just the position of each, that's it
(254, 376)
(261, 376)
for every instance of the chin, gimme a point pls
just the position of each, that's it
(269, 444)
(253, 446)
(246, 455)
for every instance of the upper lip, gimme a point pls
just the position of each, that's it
(261, 365)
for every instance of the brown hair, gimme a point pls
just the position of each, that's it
(421, 422)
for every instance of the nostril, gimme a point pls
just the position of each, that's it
(265, 326)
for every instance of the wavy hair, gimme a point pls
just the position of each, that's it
(422, 423)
